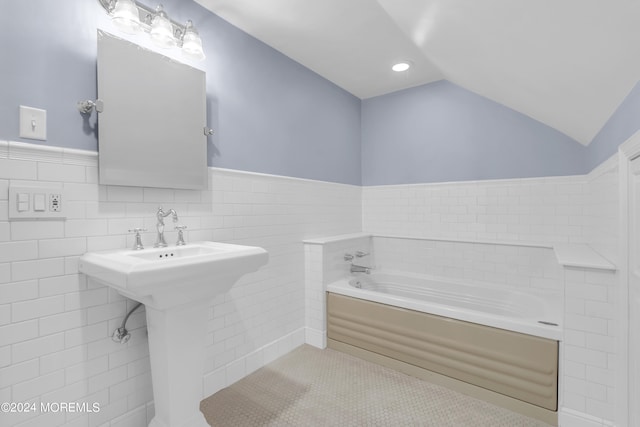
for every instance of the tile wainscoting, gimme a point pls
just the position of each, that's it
(55, 327)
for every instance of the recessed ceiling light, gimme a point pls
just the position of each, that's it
(401, 66)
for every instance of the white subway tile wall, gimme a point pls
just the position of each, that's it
(475, 263)
(543, 210)
(324, 264)
(601, 210)
(55, 328)
(315, 318)
(589, 342)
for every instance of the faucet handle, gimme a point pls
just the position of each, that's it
(348, 257)
(138, 243)
(180, 241)
(360, 254)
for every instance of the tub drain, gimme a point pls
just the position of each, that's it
(544, 322)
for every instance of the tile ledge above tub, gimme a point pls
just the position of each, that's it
(343, 237)
(581, 255)
(567, 254)
(336, 238)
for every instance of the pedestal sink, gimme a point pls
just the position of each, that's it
(176, 284)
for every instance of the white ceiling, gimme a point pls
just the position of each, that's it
(567, 63)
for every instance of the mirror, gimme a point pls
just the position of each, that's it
(151, 132)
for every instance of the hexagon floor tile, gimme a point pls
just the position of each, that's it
(313, 387)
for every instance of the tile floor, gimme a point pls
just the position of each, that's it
(312, 387)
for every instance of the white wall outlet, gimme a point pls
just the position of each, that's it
(37, 202)
(55, 202)
(33, 123)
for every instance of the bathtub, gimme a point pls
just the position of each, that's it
(530, 312)
(486, 341)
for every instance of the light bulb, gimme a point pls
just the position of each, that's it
(161, 30)
(401, 66)
(192, 43)
(125, 17)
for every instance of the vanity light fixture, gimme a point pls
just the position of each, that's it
(132, 17)
(401, 66)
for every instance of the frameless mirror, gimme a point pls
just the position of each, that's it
(151, 132)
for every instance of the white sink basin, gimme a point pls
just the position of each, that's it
(176, 285)
(175, 275)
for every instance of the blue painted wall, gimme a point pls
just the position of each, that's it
(622, 125)
(441, 132)
(48, 57)
(276, 116)
(270, 114)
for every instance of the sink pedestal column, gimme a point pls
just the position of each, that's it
(176, 346)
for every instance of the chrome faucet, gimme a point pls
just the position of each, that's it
(137, 246)
(357, 268)
(180, 229)
(161, 215)
(360, 269)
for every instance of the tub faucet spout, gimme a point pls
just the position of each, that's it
(161, 215)
(360, 269)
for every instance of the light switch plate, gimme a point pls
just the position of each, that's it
(39, 202)
(33, 123)
(23, 202)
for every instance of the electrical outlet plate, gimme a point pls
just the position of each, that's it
(55, 202)
(37, 202)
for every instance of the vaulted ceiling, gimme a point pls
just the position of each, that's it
(566, 63)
